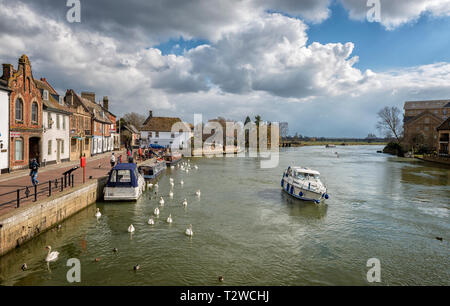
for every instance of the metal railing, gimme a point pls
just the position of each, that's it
(39, 191)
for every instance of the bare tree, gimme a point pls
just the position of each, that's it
(134, 118)
(389, 122)
(284, 129)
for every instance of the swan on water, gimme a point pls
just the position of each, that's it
(189, 231)
(171, 184)
(149, 185)
(51, 256)
(171, 194)
(196, 167)
(156, 211)
(161, 201)
(171, 179)
(98, 214)
(156, 185)
(169, 218)
(131, 228)
(185, 202)
(198, 193)
(151, 221)
(182, 182)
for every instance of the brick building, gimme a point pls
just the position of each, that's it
(421, 120)
(80, 126)
(444, 138)
(25, 114)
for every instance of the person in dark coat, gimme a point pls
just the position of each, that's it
(34, 165)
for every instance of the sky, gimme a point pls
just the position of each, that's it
(319, 65)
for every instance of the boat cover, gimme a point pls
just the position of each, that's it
(117, 180)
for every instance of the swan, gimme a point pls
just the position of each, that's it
(161, 201)
(156, 211)
(171, 194)
(169, 218)
(185, 202)
(51, 256)
(198, 193)
(149, 185)
(182, 183)
(196, 167)
(131, 228)
(171, 179)
(189, 231)
(156, 185)
(187, 170)
(172, 167)
(171, 184)
(98, 214)
(151, 221)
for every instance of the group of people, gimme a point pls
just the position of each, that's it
(119, 159)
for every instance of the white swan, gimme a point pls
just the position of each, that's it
(51, 256)
(189, 231)
(156, 211)
(196, 167)
(161, 201)
(169, 218)
(198, 193)
(172, 167)
(156, 185)
(187, 170)
(151, 221)
(131, 228)
(171, 194)
(171, 179)
(182, 182)
(171, 184)
(98, 214)
(149, 185)
(184, 202)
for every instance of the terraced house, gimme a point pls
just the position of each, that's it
(56, 125)
(25, 115)
(80, 126)
(4, 127)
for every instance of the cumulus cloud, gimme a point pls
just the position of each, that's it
(263, 64)
(397, 13)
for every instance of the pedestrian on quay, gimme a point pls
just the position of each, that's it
(34, 165)
(140, 153)
(120, 159)
(113, 160)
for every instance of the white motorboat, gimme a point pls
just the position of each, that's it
(125, 183)
(304, 184)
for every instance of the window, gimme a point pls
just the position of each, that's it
(64, 122)
(426, 128)
(156, 134)
(58, 121)
(427, 120)
(18, 149)
(49, 121)
(73, 143)
(62, 146)
(34, 112)
(19, 110)
(86, 142)
(49, 148)
(45, 95)
(172, 135)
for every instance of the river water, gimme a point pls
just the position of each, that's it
(249, 231)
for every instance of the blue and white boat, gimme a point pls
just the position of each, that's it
(304, 184)
(125, 183)
(152, 170)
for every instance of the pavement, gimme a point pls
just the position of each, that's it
(96, 166)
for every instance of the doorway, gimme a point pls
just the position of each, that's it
(33, 151)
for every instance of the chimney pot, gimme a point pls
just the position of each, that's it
(7, 71)
(105, 102)
(150, 114)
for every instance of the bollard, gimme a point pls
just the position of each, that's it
(18, 198)
(49, 188)
(62, 186)
(35, 192)
(72, 179)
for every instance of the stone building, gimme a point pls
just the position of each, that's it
(56, 125)
(25, 114)
(80, 126)
(421, 120)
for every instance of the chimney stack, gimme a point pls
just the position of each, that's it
(88, 95)
(7, 71)
(69, 97)
(150, 114)
(105, 102)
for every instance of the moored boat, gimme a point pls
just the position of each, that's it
(172, 158)
(304, 184)
(330, 145)
(125, 183)
(152, 169)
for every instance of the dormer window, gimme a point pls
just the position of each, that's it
(61, 100)
(45, 95)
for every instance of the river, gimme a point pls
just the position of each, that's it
(249, 231)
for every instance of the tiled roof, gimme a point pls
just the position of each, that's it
(51, 102)
(160, 124)
(95, 109)
(444, 125)
(447, 105)
(431, 104)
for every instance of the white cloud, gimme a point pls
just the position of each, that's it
(395, 13)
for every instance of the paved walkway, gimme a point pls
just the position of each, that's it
(96, 167)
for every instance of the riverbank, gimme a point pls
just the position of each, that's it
(337, 144)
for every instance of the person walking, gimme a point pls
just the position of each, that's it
(34, 165)
(113, 160)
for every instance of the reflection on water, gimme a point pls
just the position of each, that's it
(248, 230)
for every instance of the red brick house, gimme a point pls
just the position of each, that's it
(25, 114)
